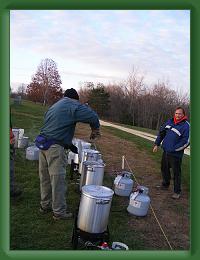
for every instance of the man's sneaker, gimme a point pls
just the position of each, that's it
(63, 217)
(44, 211)
(176, 196)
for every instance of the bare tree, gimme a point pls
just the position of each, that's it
(134, 103)
(133, 86)
(48, 79)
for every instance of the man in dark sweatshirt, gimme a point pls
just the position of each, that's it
(56, 135)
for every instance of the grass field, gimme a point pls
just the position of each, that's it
(29, 230)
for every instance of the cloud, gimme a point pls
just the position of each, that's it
(92, 75)
(105, 42)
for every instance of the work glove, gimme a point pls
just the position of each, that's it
(73, 148)
(95, 134)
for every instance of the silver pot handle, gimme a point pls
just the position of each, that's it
(102, 202)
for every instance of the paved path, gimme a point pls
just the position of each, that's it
(138, 133)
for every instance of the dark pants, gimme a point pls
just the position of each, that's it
(12, 169)
(170, 161)
(12, 183)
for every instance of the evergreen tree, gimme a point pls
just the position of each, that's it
(99, 100)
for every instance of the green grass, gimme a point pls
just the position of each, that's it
(29, 230)
(28, 116)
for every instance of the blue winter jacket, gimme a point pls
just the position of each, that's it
(174, 137)
(61, 118)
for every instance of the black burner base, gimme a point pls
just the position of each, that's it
(85, 240)
(73, 169)
(88, 240)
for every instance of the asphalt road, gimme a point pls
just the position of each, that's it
(138, 133)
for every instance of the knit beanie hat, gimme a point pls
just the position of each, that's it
(71, 93)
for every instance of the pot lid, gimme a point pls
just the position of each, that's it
(96, 191)
(90, 151)
(93, 163)
(94, 166)
(89, 162)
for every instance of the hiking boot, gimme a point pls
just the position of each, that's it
(67, 215)
(15, 193)
(44, 211)
(176, 196)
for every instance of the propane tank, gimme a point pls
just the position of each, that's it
(123, 184)
(139, 202)
(32, 153)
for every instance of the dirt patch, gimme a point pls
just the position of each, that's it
(173, 215)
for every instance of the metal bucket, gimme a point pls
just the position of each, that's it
(88, 155)
(83, 146)
(94, 208)
(84, 169)
(32, 153)
(94, 174)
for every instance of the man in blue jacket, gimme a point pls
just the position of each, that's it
(174, 135)
(56, 135)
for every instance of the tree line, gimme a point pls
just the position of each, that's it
(133, 103)
(128, 102)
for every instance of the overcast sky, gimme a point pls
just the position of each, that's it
(102, 45)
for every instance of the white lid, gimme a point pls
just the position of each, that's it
(96, 191)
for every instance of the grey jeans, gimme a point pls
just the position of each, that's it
(52, 173)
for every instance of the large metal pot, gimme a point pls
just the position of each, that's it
(92, 173)
(88, 155)
(94, 208)
(83, 146)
